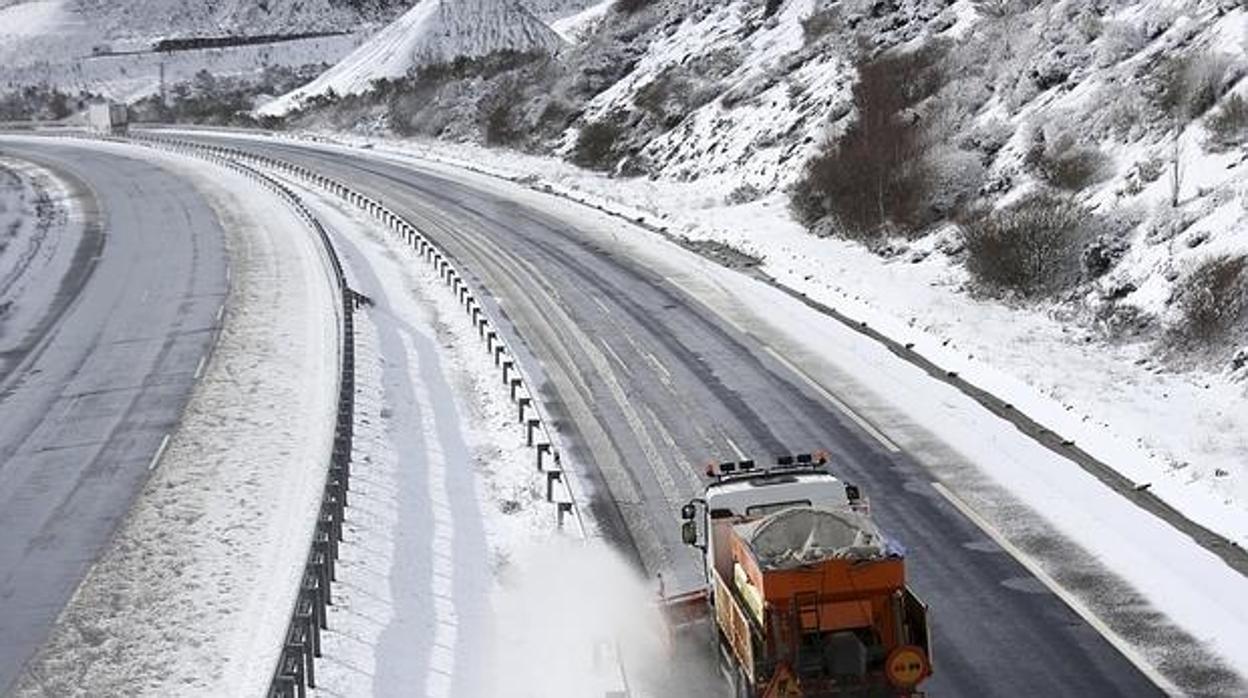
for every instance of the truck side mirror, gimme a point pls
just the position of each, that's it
(689, 533)
(688, 512)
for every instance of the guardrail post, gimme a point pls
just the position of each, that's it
(515, 385)
(542, 449)
(552, 476)
(532, 426)
(523, 403)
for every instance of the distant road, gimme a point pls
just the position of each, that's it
(92, 385)
(645, 385)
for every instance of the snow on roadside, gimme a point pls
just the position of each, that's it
(40, 227)
(194, 594)
(1036, 498)
(445, 564)
(1183, 434)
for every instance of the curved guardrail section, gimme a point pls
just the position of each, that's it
(296, 666)
(561, 486)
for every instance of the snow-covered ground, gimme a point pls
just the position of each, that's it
(433, 31)
(1020, 488)
(39, 231)
(195, 592)
(55, 42)
(453, 559)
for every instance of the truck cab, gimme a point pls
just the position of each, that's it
(808, 596)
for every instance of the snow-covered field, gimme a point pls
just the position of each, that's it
(194, 594)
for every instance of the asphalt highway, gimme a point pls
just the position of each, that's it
(645, 387)
(100, 375)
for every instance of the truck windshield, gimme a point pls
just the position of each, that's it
(773, 507)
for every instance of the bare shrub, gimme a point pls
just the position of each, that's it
(1191, 85)
(876, 175)
(1065, 163)
(628, 7)
(821, 23)
(596, 145)
(1000, 9)
(1119, 41)
(1212, 302)
(1228, 124)
(743, 194)
(673, 94)
(1032, 248)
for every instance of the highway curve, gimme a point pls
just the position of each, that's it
(91, 386)
(646, 386)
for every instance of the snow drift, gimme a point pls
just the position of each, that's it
(434, 31)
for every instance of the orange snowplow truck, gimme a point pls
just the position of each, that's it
(808, 597)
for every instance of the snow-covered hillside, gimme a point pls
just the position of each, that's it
(64, 43)
(434, 31)
(721, 107)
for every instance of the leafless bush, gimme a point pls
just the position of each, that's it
(1065, 163)
(673, 94)
(1191, 85)
(744, 194)
(1119, 41)
(1003, 8)
(1031, 248)
(1228, 124)
(596, 145)
(821, 23)
(876, 175)
(628, 7)
(1212, 302)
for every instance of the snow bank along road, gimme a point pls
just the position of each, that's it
(100, 353)
(647, 385)
(193, 592)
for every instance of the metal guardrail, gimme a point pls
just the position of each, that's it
(560, 485)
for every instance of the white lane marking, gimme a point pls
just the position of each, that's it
(220, 313)
(658, 365)
(600, 304)
(1066, 597)
(164, 443)
(199, 370)
(866, 426)
(611, 351)
(735, 448)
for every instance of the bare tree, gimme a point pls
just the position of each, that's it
(1176, 166)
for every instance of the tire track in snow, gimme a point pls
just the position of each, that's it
(440, 543)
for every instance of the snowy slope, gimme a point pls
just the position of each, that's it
(434, 31)
(54, 42)
(142, 18)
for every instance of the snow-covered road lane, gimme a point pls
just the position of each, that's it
(193, 592)
(101, 348)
